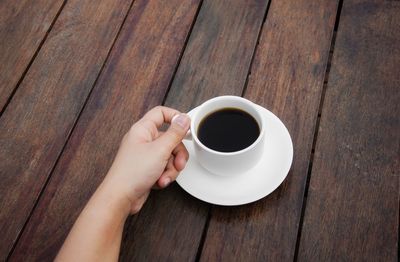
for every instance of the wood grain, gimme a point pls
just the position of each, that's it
(135, 78)
(23, 26)
(216, 62)
(352, 212)
(218, 56)
(36, 124)
(287, 77)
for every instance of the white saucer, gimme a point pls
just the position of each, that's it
(250, 186)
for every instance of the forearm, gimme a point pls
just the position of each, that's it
(146, 158)
(97, 233)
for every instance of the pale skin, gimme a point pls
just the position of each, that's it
(147, 158)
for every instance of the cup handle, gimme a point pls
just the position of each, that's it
(188, 136)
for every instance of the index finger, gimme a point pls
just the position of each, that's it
(160, 114)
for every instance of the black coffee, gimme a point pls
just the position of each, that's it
(228, 130)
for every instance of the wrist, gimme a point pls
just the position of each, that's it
(124, 196)
(113, 200)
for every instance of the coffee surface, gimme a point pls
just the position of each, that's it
(228, 130)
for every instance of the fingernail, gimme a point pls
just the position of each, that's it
(167, 181)
(182, 120)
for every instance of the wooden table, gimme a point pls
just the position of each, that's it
(75, 75)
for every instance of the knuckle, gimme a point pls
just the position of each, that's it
(158, 108)
(129, 136)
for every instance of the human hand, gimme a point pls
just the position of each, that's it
(148, 157)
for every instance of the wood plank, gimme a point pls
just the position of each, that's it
(352, 212)
(35, 125)
(136, 77)
(23, 26)
(216, 62)
(287, 77)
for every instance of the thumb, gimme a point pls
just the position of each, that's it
(175, 133)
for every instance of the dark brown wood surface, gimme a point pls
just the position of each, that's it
(135, 78)
(216, 62)
(75, 75)
(23, 26)
(287, 78)
(36, 123)
(352, 210)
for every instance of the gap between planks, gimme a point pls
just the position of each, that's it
(209, 211)
(86, 100)
(255, 48)
(75, 123)
(32, 59)
(321, 104)
(182, 51)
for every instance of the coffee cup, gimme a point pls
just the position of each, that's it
(227, 163)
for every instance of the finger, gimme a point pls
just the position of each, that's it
(180, 162)
(146, 129)
(169, 174)
(170, 163)
(181, 156)
(174, 135)
(168, 177)
(159, 115)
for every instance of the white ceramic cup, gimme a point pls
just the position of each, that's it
(222, 163)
